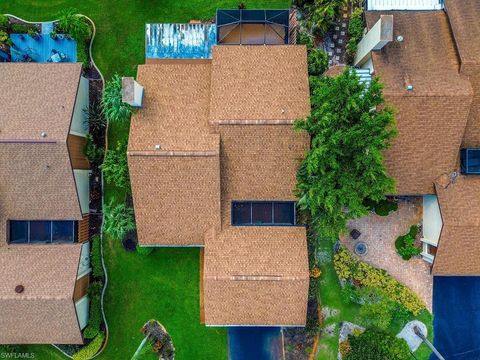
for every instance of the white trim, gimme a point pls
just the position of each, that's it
(79, 276)
(84, 303)
(73, 132)
(429, 242)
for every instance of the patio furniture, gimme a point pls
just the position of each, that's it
(355, 234)
(57, 57)
(360, 248)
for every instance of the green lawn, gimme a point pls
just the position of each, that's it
(331, 297)
(164, 285)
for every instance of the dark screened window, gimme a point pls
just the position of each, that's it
(251, 213)
(42, 231)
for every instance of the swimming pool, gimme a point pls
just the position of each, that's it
(259, 343)
(39, 49)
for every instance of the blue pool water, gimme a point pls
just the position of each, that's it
(456, 317)
(40, 48)
(256, 343)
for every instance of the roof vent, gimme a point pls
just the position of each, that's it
(157, 147)
(19, 289)
(399, 38)
(409, 87)
(43, 134)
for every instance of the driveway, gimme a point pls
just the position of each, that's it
(259, 343)
(380, 233)
(456, 317)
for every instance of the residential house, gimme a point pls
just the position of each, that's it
(213, 158)
(431, 72)
(44, 204)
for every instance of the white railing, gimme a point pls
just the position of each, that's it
(405, 5)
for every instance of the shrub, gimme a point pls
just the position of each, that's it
(313, 288)
(306, 39)
(82, 53)
(322, 14)
(4, 36)
(92, 152)
(4, 22)
(355, 33)
(375, 344)
(91, 349)
(94, 120)
(144, 250)
(378, 314)
(383, 207)
(344, 347)
(119, 220)
(317, 60)
(24, 29)
(95, 318)
(349, 268)
(74, 25)
(115, 167)
(114, 109)
(405, 244)
(96, 257)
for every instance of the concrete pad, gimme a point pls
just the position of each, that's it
(409, 335)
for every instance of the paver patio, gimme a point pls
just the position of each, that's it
(380, 233)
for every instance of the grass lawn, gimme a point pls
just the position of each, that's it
(331, 297)
(165, 284)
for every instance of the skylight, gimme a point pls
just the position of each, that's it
(470, 161)
(263, 213)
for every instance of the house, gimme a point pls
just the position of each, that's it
(430, 70)
(213, 158)
(44, 204)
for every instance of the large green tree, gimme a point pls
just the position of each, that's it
(350, 129)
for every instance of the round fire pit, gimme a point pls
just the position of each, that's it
(360, 248)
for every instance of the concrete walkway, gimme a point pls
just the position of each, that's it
(380, 233)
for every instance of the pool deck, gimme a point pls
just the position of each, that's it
(380, 233)
(40, 48)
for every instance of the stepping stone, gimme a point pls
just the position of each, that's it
(344, 24)
(332, 45)
(330, 53)
(339, 51)
(335, 36)
(337, 28)
(342, 33)
(345, 15)
(340, 41)
(337, 58)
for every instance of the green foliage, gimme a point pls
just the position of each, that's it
(53, 35)
(345, 165)
(405, 244)
(3, 36)
(144, 250)
(115, 167)
(322, 14)
(383, 207)
(96, 257)
(8, 349)
(317, 60)
(378, 314)
(350, 268)
(24, 29)
(74, 25)
(82, 53)
(306, 39)
(95, 121)
(114, 109)
(376, 344)
(119, 220)
(4, 22)
(355, 33)
(91, 349)
(95, 318)
(92, 152)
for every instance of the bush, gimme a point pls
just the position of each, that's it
(119, 220)
(405, 244)
(378, 314)
(115, 167)
(95, 318)
(349, 268)
(96, 257)
(92, 152)
(344, 347)
(95, 121)
(114, 109)
(82, 53)
(375, 344)
(322, 14)
(24, 29)
(355, 33)
(383, 207)
(306, 39)
(4, 38)
(144, 250)
(4, 22)
(317, 60)
(91, 349)
(74, 25)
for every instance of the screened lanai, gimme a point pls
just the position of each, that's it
(252, 27)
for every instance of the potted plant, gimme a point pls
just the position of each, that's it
(54, 35)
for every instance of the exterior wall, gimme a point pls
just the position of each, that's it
(82, 308)
(432, 220)
(377, 37)
(83, 229)
(76, 144)
(83, 188)
(81, 287)
(79, 117)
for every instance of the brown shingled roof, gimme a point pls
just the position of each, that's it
(256, 276)
(432, 118)
(44, 313)
(459, 244)
(265, 83)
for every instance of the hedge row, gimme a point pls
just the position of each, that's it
(87, 352)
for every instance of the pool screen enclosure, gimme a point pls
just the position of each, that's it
(252, 27)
